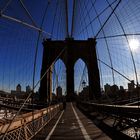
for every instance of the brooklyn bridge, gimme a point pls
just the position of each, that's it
(69, 69)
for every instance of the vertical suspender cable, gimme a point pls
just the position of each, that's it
(135, 70)
(27, 12)
(96, 49)
(73, 17)
(136, 75)
(108, 18)
(105, 42)
(5, 7)
(67, 22)
(37, 44)
(54, 18)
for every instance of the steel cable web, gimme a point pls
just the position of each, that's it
(115, 25)
(116, 28)
(19, 49)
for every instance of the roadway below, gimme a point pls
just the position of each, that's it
(71, 124)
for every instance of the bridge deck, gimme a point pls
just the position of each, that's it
(71, 125)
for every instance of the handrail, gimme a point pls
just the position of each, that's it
(131, 112)
(22, 126)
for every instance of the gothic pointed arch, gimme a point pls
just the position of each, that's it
(69, 51)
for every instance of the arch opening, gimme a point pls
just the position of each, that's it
(58, 80)
(81, 80)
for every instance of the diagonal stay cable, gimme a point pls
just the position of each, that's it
(23, 23)
(93, 5)
(37, 43)
(131, 53)
(88, 15)
(34, 26)
(59, 22)
(54, 17)
(5, 6)
(31, 94)
(113, 10)
(119, 35)
(27, 12)
(115, 70)
(95, 17)
(110, 58)
(84, 20)
(36, 50)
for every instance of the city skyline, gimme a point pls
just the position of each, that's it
(18, 42)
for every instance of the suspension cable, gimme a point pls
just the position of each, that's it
(67, 22)
(23, 23)
(30, 94)
(105, 42)
(5, 7)
(57, 3)
(128, 44)
(118, 35)
(113, 10)
(115, 70)
(73, 15)
(27, 12)
(37, 43)
(95, 17)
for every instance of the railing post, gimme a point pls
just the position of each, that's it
(25, 130)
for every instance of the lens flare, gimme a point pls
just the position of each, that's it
(134, 44)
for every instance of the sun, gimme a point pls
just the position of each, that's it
(134, 44)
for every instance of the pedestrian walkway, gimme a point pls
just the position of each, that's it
(71, 124)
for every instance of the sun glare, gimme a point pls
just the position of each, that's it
(134, 44)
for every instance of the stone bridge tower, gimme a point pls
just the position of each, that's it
(69, 51)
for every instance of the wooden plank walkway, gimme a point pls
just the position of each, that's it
(71, 124)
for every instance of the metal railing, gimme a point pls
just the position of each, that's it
(131, 112)
(123, 118)
(26, 126)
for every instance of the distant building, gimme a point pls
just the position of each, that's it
(84, 94)
(28, 89)
(59, 92)
(83, 84)
(18, 93)
(111, 89)
(53, 96)
(131, 86)
(121, 88)
(107, 88)
(3, 93)
(114, 88)
(18, 88)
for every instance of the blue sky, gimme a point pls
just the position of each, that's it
(18, 42)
